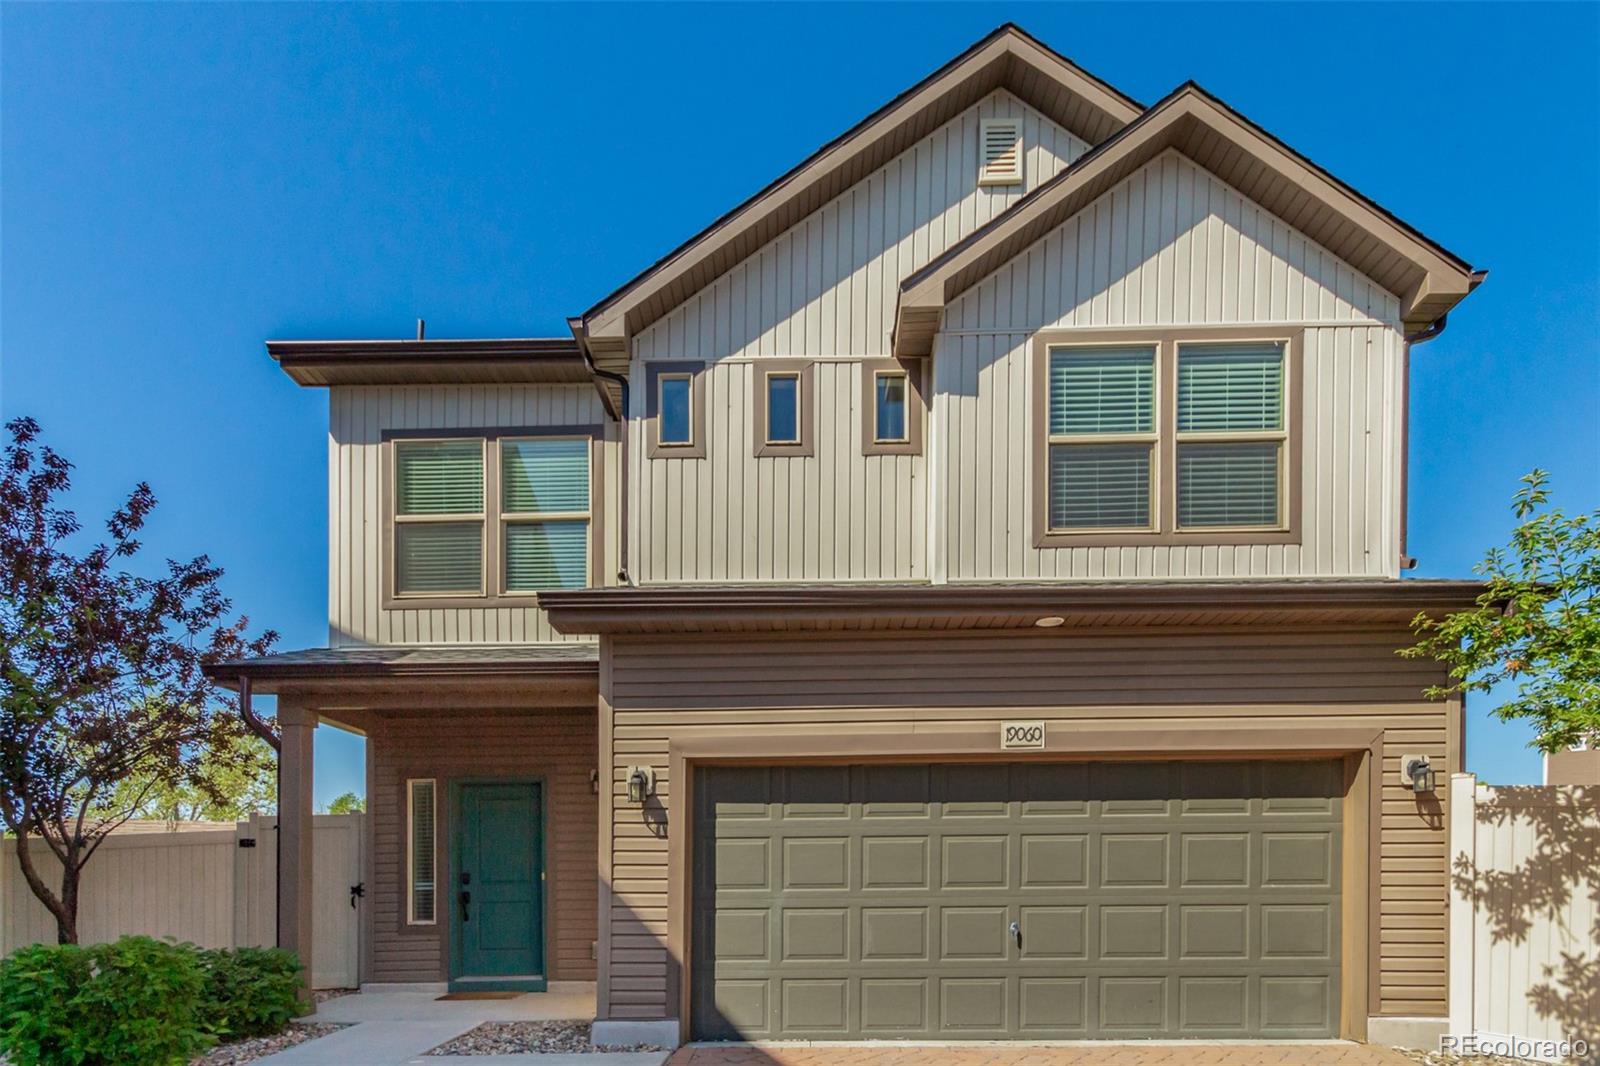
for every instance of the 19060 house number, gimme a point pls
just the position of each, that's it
(1021, 735)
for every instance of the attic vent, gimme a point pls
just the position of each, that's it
(1000, 147)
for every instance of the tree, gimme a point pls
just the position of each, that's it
(101, 677)
(1536, 624)
(225, 786)
(347, 803)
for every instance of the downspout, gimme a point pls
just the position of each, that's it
(1422, 336)
(621, 381)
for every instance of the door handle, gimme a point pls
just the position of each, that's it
(1016, 933)
(466, 898)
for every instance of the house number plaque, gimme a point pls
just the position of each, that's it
(1021, 735)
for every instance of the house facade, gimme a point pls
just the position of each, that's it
(954, 596)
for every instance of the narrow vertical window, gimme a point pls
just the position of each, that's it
(439, 517)
(675, 403)
(544, 513)
(420, 841)
(889, 418)
(1231, 436)
(1102, 438)
(783, 408)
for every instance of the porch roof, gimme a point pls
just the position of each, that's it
(419, 662)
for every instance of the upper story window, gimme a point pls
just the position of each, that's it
(488, 516)
(675, 410)
(1165, 437)
(891, 407)
(783, 398)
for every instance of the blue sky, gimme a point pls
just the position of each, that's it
(178, 183)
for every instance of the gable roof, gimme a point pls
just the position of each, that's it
(1428, 278)
(1007, 58)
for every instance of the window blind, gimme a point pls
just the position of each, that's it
(1099, 486)
(1102, 390)
(439, 477)
(1228, 484)
(439, 556)
(421, 800)
(1237, 387)
(544, 476)
(547, 555)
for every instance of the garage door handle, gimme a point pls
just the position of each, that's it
(1016, 933)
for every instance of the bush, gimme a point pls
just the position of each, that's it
(250, 991)
(135, 1002)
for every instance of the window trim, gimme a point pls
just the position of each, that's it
(696, 447)
(805, 371)
(411, 918)
(493, 594)
(1164, 505)
(916, 404)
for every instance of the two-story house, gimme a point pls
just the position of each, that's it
(953, 596)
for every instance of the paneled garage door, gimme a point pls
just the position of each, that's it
(1028, 901)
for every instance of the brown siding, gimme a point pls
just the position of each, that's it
(557, 745)
(664, 689)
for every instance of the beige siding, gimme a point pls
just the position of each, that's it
(825, 288)
(357, 419)
(556, 745)
(789, 685)
(1172, 245)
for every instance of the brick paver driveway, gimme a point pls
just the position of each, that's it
(1023, 1055)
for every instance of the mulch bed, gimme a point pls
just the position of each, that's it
(241, 1051)
(511, 1038)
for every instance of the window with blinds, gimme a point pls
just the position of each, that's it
(1102, 437)
(1230, 436)
(439, 517)
(544, 513)
(421, 830)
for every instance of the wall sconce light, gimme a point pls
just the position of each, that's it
(641, 784)
(1416, 773)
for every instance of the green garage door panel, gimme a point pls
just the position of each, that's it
(1027, 900)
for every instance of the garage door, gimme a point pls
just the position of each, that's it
(1024, 901)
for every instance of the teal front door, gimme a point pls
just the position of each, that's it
(497, 917)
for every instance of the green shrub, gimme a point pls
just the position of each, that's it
(135, 1002)
(250, 991)
(37, 986)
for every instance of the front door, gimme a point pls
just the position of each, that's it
(497, 921)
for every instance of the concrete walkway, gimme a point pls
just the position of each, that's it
(399, 1028)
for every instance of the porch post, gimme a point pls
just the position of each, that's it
(296, 724)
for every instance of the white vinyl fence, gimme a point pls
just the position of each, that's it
(213, 887)
(1525, 912)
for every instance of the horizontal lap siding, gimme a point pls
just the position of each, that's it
(357, 419)
(664, 689)
(825, 288)
(1171, 245)
(558, 745)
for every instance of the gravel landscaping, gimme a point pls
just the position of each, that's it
(241, 1051)
(510, 1038)
(322, 995)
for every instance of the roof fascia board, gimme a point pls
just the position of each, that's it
(1445, 277)
(1005, 47)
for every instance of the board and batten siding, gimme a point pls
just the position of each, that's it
(792, 685)
(824, 289)
(358, 416)
(1170, 246)
(556, 745)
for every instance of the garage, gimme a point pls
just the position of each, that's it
(1028, 900)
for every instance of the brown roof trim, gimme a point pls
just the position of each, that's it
(557, 360)
(1429, 278)
(1009, 54)
(714, 607)
(406, 663)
